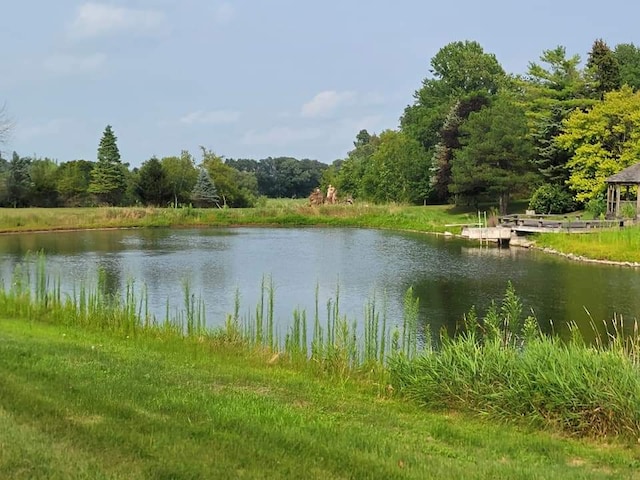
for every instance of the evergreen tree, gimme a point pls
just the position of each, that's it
(551, 160)
(151, 184)
(449, 141)
(494, 160)
(18, 181)
(603, 69)
(204, 193)
(108, 178)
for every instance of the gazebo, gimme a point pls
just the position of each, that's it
(629, 177)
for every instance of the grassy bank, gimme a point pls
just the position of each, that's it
(620, 245)
(92, 387)
(82, 404)
(279, 213)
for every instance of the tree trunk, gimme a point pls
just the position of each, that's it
(504, 201)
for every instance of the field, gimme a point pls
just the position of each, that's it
(82, 404)
(92, 388)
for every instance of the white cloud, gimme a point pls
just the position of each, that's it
(213, 117)
(326, 103)
(67, 64)
(96, 19)
(224, 13)
(281, 136)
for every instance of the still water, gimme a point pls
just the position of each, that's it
(448, 275)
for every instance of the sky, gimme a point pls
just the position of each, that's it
(254, 78)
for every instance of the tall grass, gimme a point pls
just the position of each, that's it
(334, 345)
(500, 365)
(281, 212)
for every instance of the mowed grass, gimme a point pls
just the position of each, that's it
(77, 404)
(622, 245)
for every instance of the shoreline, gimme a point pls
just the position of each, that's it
(352, 222)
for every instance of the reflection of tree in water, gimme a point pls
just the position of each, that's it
(109, 276)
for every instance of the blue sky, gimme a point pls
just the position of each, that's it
(254, 78)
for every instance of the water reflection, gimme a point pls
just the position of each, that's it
(448, 275)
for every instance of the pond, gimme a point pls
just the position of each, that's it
(449, 275)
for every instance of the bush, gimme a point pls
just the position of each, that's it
(597, 206)
(552, 199)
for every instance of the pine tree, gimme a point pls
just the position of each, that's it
(108, 179)
(205, 193)
(603, 68)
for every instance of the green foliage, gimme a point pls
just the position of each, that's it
(204, 193)
(603, 69)
(108, 177)
(494, 161)
(286, 177)
(597, 206)
(43, 189)
(628, 57)
(449, 142)
(108, 149)
(549, 199)
(181, 175)
(397, 171)
(459, 69)
(350, 171)
(602, 141)
(513, 372)
(234, 188)
(72, 183)
(18, 181)
(152, 186)
(551, 90)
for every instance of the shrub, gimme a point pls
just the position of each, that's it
(552, 199)
(597, 206)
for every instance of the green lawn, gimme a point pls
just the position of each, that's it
(76, 404)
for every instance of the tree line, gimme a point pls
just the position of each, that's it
(169, 181)
(475, 133)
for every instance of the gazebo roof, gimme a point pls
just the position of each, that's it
(630, 176)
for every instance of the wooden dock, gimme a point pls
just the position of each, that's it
(512, 226)
(500, 235)
(525, 224)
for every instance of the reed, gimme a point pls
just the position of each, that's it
(503, 367)
(500, 365)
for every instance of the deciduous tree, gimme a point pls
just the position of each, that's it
(73, 182)
(628, 56)
(602, 141)
(181, 176)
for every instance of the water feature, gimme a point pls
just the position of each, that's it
(449, 275)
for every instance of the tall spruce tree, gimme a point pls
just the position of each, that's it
(205, 193)
(603, 69)
(108, 178)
